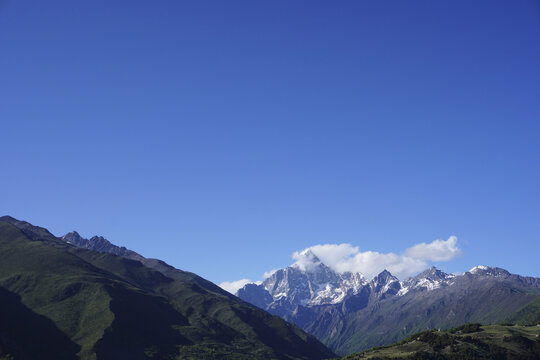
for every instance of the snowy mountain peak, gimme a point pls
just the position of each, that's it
(308, 282)
(292, 291)
(427, 280)
(385, 284)
(478, 268)
(310, 254)
(483, 270)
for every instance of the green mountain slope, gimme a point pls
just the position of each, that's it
(528, 314)
(469, 341)
(101, 306)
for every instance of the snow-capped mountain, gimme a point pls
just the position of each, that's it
(350, 313)
(313, 284)
(384, 285)
(483, 270)
(317, 284)
(427, 280)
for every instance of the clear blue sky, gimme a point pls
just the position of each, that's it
(221, 136)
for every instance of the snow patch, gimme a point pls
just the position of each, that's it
(402, 291)
(478, 268)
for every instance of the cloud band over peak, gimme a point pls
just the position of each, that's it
(346, 257)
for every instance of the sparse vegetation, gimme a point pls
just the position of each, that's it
(467, 328)
(528, 314)
(469, 341)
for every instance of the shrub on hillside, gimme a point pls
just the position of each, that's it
(467, 328)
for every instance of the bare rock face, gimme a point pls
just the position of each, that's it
(100, 244)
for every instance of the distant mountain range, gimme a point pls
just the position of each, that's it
(72, 298)
(349, 313)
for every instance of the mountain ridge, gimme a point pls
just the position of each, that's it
(385, 309)
(111, 307)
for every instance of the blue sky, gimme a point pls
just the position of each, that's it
(223, 136)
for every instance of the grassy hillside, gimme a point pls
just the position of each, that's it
(528, 314)
(100, 306)
(470, 341)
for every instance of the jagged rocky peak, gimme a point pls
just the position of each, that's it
(383, 278)
(72, 237)
(385, 284)
(96, 243)
(75, 238)
(255, 294)
(483, 270)
(99, 240)
(434, 274)
(72, 234)
(307, 282)
(100, 244)
(427, 280)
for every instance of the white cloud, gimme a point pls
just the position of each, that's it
(305, 259)
(438, 250)
(233, 286)
(345, 257)
(328, 254)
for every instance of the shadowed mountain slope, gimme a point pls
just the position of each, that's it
(41, 339)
